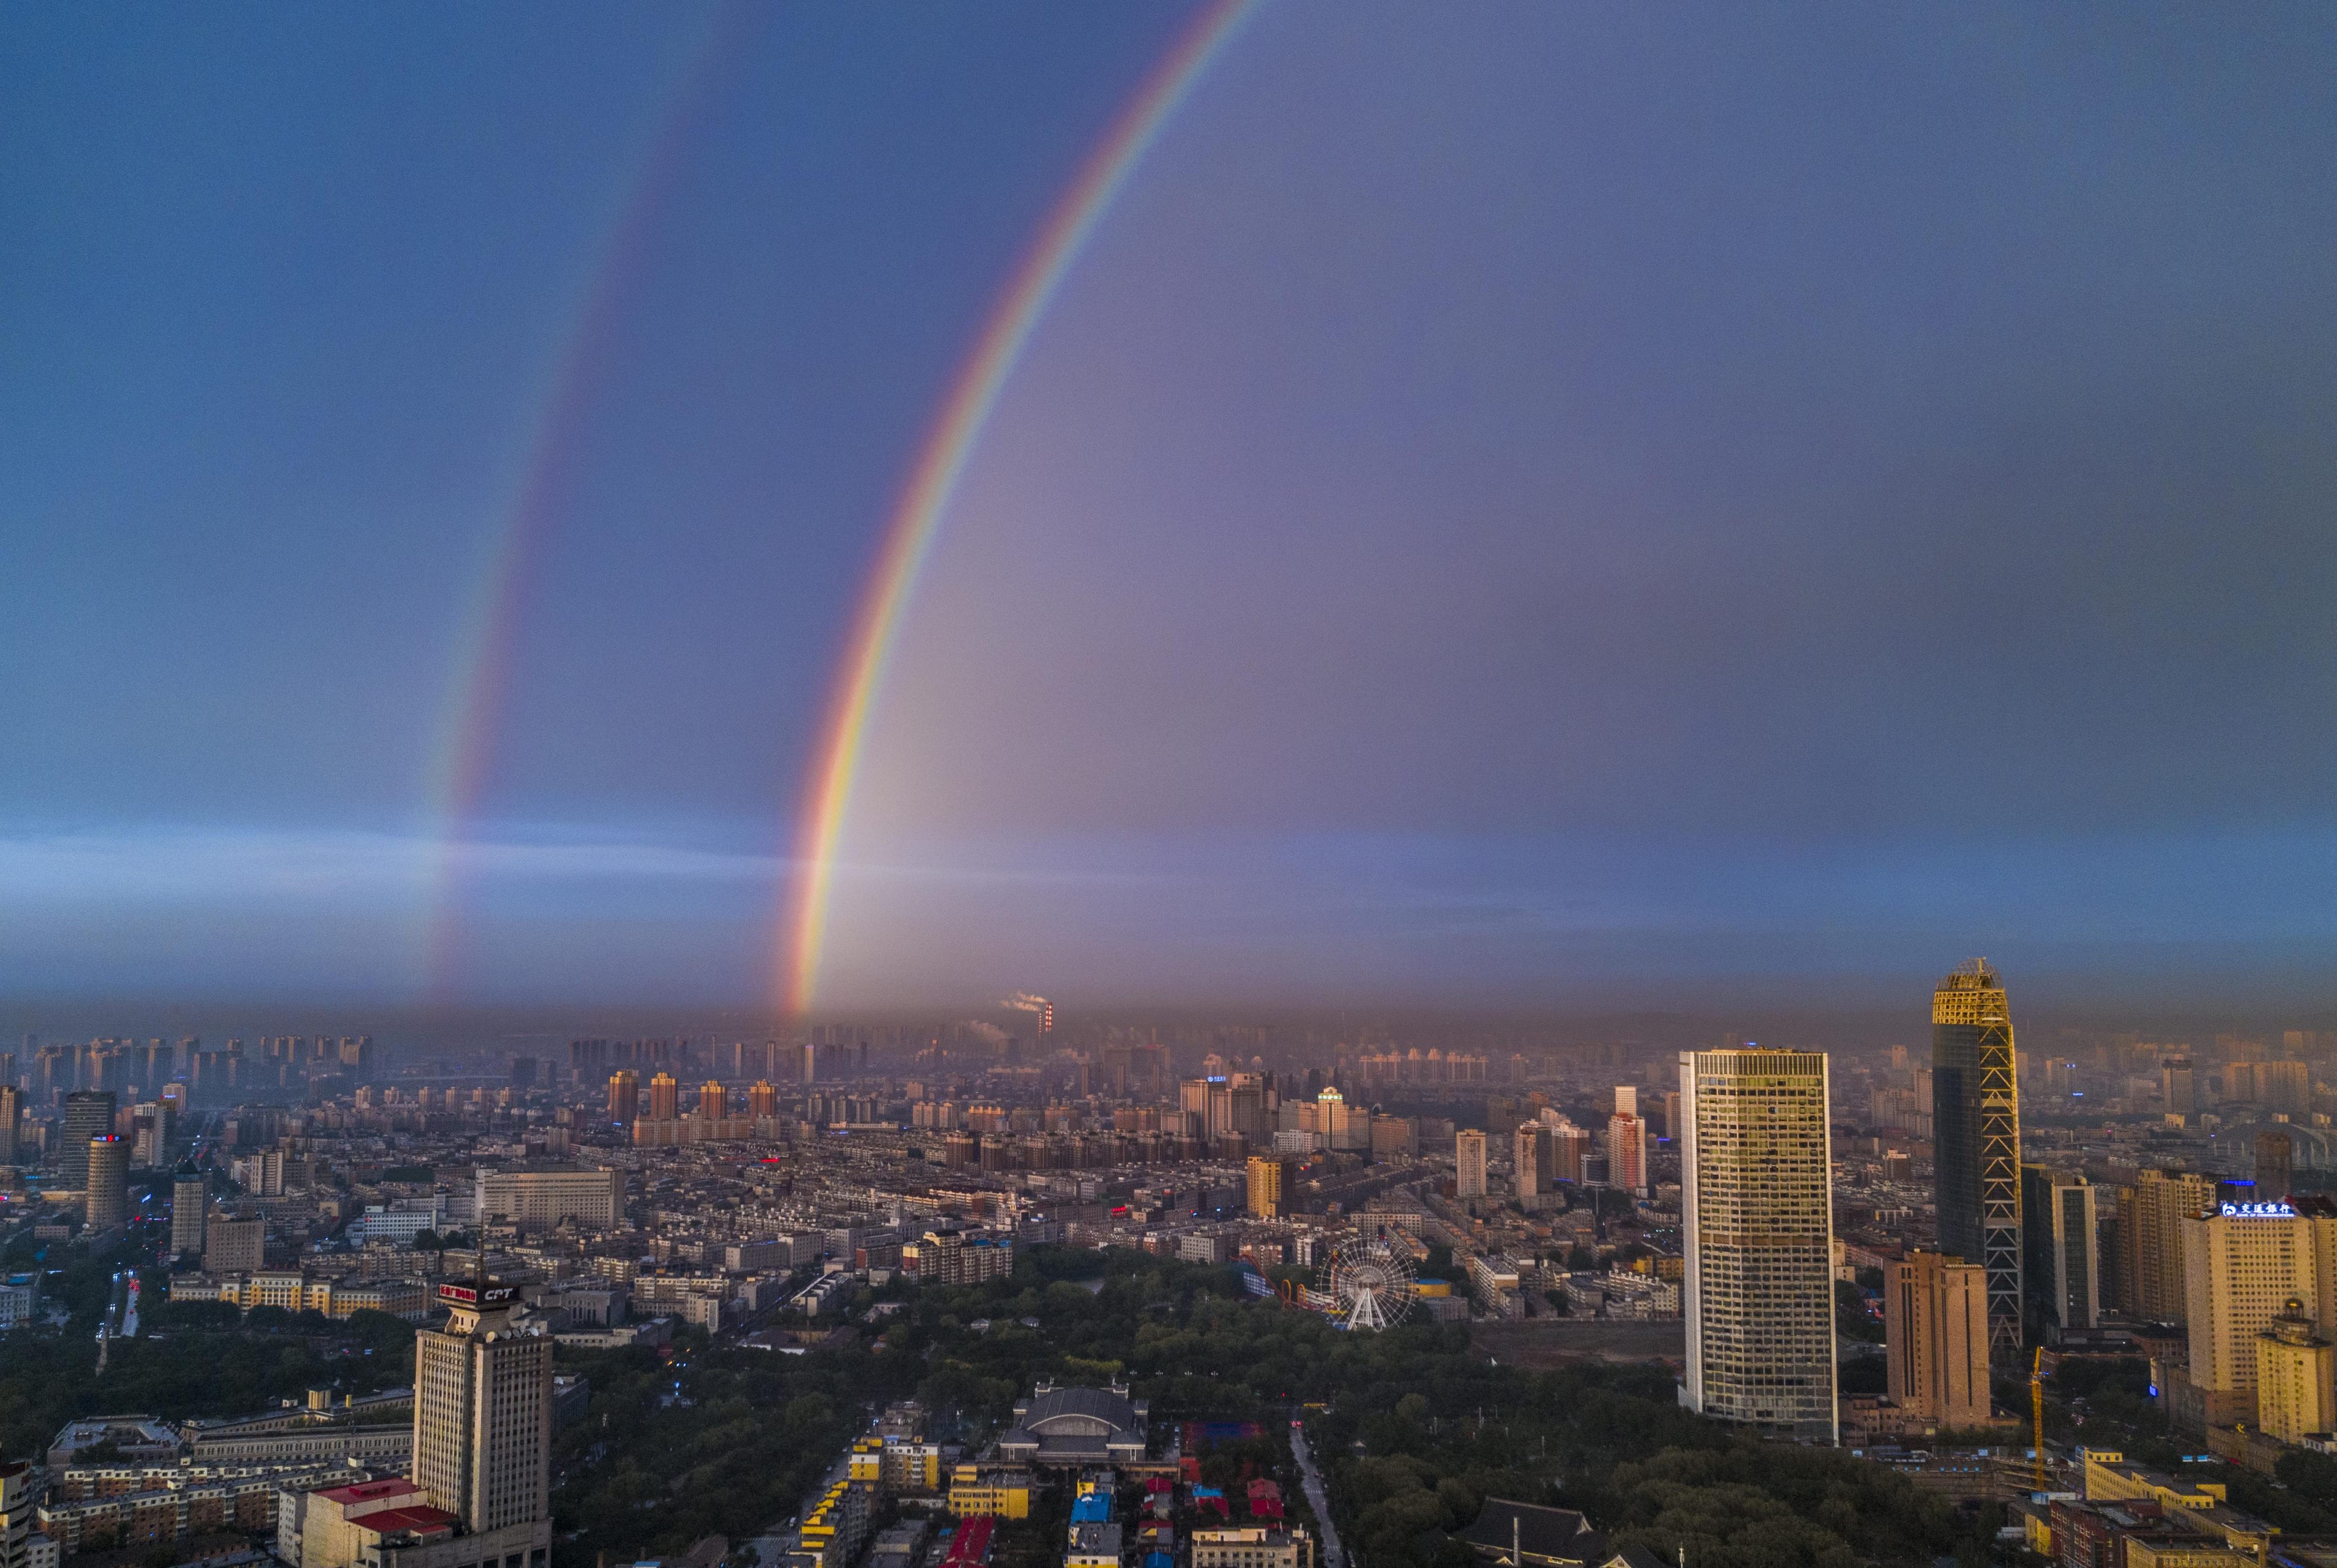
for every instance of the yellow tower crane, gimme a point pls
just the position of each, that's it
(2037, 1370)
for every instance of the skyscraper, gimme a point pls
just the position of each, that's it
(1468, 1159)
(1626, 1152)
(1266, 1179)
(190, 1208)
(1567, 1145)
(1976, 1135)
(624, 1096)
(1935, 1328)
(664, 1098)
(89, 1113)
(713, 1101)
(1530, 1161)
(12, 1114)
(2176, 1086)
(482, 1422)
(2060, 1224)
(1343, 1125)
(2163, 1200)
(1758, 1209)
(2275, 1164)
(107, 1164)
(2239, 1270)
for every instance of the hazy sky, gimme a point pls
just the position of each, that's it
(1520, 504)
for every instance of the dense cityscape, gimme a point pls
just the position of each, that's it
(2074, 1297)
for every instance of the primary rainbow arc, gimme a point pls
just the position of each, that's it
(941, 461)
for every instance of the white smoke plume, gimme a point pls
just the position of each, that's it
(1024, 1002)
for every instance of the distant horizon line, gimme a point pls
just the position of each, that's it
(717, 1019)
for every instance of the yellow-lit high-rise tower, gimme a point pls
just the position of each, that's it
(1975, 1140)
(1757, 1208)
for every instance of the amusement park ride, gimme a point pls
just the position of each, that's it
(1370, 1286)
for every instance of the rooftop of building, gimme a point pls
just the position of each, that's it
(1556, 1534)
(371, 1491)
(1048, 1403)
(420, 1518)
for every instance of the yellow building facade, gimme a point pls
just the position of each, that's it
(2296, 1376)
(977, 1493)
(2241, 1270)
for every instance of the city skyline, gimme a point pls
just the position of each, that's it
(779, 513)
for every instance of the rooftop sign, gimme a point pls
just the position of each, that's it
(2259, 1210)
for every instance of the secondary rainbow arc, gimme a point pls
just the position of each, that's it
(471, 713)
(917, 519)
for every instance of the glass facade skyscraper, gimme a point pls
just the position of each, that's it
(1975, 1140)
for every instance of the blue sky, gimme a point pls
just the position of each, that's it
(1554, 505)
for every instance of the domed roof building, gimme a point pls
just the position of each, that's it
(1075, 1426)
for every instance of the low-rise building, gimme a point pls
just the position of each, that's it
(1530, 1535)
(160, 1514)
(1077, 1426)
(296, 1291)
(957, 1257)
(898, 1547)
(997, 1492)
(1095, 1545)
(134, 1439)
(1251, 1546)
(400, 1220)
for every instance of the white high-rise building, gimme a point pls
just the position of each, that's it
(483, 1420)
(1757, 1210)
(2240, 1266)
(106, 1203)
(1469, 1158)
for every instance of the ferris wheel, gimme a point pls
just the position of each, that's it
(1371, 1284)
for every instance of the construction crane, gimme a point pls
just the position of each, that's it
(2037, 1371)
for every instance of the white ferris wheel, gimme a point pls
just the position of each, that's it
(1371, 1284)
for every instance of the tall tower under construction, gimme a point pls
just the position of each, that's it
(1976, 1132)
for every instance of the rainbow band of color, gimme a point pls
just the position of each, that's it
(917, 522)
(472, 714)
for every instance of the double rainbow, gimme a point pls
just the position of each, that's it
(916, 520)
